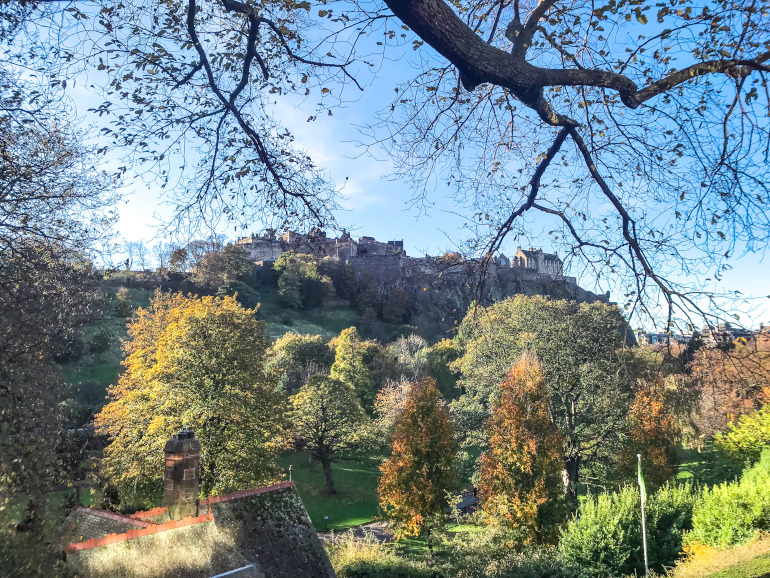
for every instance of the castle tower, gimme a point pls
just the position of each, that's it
(182, 474)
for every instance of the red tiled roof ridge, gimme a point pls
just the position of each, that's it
(149, 513)
(139, 532)
(114, 516)
(148, 528)
(247, 493)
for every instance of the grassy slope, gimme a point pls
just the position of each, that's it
(95, 371)
(327, 321)
(750, 560)
(755, 568)
(355, 481)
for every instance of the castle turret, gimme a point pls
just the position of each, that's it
(182, 474)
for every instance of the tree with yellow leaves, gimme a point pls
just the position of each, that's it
(416, 478)
(195, 362)
(521, 486)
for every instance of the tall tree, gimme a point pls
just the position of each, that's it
(195, 362)
(327, 421)
(350, 367)
(300, 284)
(580, 348)
(420, 471)
(54, 209)
(653, 433)
(520, 477)
(730, 381)
(220, 267)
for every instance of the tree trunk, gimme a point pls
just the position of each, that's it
(327, 465)
(572, 469)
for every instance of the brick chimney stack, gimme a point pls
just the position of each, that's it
(182, 474)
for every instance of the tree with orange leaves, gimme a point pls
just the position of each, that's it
(654, 433)
(521, 486)
(732, 381)
(416, 478)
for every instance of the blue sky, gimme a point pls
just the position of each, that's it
(374, 203)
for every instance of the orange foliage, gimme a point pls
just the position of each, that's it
(731, 382)
(420, 471)
(520, 474)
(654, 433)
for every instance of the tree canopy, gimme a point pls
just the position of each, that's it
(420, 471)
(579, 347)
(520, 480)
(196, 362)
(327, 421)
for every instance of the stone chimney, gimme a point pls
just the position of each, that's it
(182, 474)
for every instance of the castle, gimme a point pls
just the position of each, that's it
(270, 246)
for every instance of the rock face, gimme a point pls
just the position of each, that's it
(446, 289)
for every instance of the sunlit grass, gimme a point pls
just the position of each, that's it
(750, 560)
(355, 481)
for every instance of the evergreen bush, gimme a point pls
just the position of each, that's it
(606, 538)
(731, 513)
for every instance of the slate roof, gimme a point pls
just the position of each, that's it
(86, 523)
(258, 533)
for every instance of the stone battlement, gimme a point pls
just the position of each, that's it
(363, 253)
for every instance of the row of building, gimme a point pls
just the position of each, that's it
(270, 246)
(711, 336)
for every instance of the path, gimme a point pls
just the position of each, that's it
(377, 529)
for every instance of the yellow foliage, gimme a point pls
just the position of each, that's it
(196, 362)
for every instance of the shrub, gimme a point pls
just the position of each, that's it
(244, 293)
(731, 513)
(669, 518)
(123, 306)
(742, 444)
(354, 557)
(100, 342)
(606, 538)
(493, 552)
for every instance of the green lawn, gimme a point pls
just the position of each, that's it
(100, 363)
(355, 481)
(758, 567)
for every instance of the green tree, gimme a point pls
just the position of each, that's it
(396, 307)
(420, 471)
(350, 367)
(439, 359)
(298, 358)
(244, 293)
(579, 347)
(218, 268)
(300, 285)
(745, 439)
(520, 483)
(196, 362)
(327, 421)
